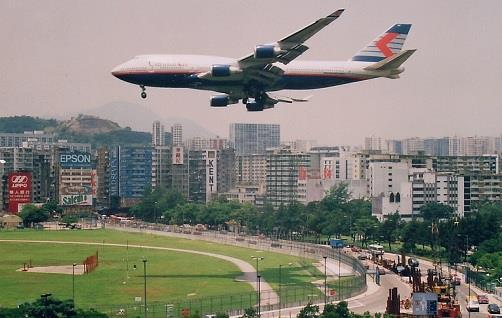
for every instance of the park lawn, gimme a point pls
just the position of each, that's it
(170, 275)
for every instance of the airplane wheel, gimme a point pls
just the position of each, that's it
(143, 95)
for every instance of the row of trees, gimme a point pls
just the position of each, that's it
(334, 215)
(436, 232)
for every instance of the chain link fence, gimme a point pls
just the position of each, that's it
(291, 296)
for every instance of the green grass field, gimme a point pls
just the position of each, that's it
(170, 275)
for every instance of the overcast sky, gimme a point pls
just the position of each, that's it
(56, 58)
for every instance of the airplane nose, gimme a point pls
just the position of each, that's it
(116, 70)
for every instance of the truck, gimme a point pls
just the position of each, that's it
(336, 243)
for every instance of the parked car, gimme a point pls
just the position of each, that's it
(483, 299)
(493, 309)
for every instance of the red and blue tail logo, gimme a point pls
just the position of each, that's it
(384, 46)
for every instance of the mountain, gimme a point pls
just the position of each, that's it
(87, 124)
(20, 124)
(82, 128)
(139, 118)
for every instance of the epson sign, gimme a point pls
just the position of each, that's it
(75, 160)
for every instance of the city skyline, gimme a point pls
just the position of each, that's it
(449, 87)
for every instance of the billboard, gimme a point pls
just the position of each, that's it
(75, 159)
(177, 155)
(211, 173)
(76, 199)
(425, 304)
(20, 190)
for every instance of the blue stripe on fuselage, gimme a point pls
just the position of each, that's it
(187, 80)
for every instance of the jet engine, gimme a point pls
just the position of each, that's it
(254, 107)
(222, 101)
(221, 70)
(266, 51)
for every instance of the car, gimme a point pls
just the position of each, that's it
(472, 305)
(483, 299)
(493, 309)
(456, 280)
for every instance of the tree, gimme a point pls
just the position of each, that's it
(50, 308)
(250, 313)
(435, 211)
(340, 310)
(389, 228)
(31, 214)
(309, 311)
(365, 228)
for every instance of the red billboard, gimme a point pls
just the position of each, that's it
(20, 188)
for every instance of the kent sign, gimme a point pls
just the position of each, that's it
(211, 173)
(75, 159)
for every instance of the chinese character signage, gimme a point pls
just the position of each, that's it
(20, 190)
(177, 155)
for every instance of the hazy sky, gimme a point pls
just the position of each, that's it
(56, 58)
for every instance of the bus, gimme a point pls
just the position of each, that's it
(375, 249)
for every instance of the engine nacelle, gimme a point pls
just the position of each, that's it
(266, 51)
(221, 70)
(254, 107)
(220, 101)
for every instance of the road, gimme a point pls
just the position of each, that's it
(462, 291)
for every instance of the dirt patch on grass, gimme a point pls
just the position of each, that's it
(62, 269)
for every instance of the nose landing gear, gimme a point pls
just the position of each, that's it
(143, 91)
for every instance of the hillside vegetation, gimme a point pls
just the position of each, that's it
(83, 128)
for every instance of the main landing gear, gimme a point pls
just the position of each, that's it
(143, 91)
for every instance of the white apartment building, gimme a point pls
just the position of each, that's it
(177, 133)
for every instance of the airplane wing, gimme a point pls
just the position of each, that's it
(288, 48)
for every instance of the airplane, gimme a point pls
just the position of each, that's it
(269, 68)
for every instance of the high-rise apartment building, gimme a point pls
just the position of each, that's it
(130, 173)
(158, 134)
(286, 176)
(248, 139)
(16, 139)
(177, 134)
(251, 169)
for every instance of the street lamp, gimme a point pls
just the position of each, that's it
(73, 283)
(144, 276)
(339, 276)
(258, 295)
(325, 282)
(280, 287)
(155, 212)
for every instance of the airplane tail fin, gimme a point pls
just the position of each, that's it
(384, 46)
(392, 62)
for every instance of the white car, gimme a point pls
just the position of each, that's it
(473, 305)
